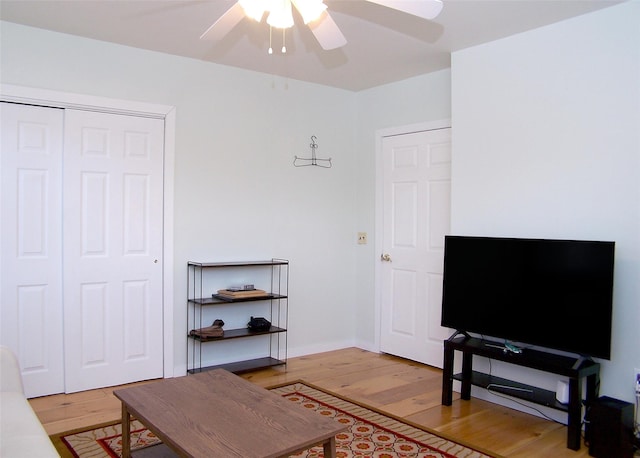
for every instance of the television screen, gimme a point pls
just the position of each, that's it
(549, 293)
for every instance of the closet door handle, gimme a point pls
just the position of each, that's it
(385, 257)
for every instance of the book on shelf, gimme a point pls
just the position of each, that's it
(231, 294)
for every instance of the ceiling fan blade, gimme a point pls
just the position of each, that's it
(327, 32)
(426, 9)
(224, 24)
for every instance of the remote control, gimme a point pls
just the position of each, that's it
(512, 348)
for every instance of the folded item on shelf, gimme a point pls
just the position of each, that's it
(215, 330)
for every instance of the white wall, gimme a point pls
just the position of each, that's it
(237, 194)
(546, 138)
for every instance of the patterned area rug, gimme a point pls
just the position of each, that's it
(371, 433)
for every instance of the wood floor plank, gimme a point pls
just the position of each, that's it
(415, 403)
(403, 388)
(550, 443)
(488, 428)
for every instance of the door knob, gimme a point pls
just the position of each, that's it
(385, 257)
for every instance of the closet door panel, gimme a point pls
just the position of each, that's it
(31, 257)
(113, 249)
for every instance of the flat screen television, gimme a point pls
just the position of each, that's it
(555, 294)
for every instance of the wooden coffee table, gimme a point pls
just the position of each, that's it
(218, 414)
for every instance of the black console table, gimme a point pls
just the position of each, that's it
(574, 369)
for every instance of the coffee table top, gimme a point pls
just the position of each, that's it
(216, 413)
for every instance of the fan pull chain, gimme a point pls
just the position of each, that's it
(284, 48)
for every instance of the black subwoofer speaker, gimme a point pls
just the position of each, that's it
(611, 428)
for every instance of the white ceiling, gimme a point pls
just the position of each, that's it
(383, 46)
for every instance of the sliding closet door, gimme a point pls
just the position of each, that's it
(31, 232)
(113, 169)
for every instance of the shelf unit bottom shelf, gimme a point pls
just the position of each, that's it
(240, 367)
(515, 390)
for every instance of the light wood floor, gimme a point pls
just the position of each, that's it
(400, 387)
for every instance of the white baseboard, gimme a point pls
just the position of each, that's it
(305, 350)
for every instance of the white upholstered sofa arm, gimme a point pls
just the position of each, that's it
(10, 379)
(21, 433)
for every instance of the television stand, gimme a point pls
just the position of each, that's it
(574, 369)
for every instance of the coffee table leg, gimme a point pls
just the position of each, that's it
(330, 448)
(126, 432)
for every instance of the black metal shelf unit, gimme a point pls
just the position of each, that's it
(200, 277)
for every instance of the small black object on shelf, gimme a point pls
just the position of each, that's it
(258, 324)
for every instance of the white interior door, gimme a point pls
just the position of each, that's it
(31, 229)
(113, 169)
(416, 201)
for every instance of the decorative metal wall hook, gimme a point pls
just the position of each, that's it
(313, 160)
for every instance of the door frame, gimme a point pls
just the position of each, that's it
(57, 99)
(380, 134)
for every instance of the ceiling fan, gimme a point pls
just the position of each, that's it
(313, 13)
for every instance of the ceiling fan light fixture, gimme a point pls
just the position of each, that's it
(310, 10)
(253, 8)
(313, 12)
(280, 15)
